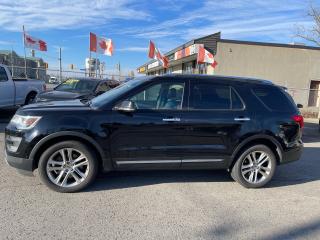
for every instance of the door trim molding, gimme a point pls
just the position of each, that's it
(148, 162)
(170, 161)
(201, 160)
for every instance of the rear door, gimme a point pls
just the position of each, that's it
(148, 137)
(217, 118)
(6, 89)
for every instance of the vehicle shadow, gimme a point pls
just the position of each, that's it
(125, 179)
(307, 169)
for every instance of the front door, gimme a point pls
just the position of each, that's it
(145, 138)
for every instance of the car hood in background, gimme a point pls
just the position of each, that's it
(60, 95)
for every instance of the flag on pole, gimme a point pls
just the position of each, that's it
(101, 45)
(154, 53)
(205, 56)
(34, 43)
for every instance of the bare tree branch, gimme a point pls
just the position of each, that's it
(311, 35)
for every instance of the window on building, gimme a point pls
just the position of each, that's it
(202, 68)
(314, 94)
(160, 96)
(188, 67)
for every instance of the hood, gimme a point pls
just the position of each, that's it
(60, 95)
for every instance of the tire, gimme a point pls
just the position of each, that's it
(61, 174)
(30, 98)
(245, 172)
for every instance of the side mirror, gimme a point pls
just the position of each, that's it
(125, 106)
(299, 105)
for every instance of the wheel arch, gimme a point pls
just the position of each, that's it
(54, 138)
(267, 140)
(29, 94)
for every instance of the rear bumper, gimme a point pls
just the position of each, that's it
(292, 154)
(23, 165)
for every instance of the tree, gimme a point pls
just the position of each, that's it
(313, 34)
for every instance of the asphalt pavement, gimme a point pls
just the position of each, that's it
(167, 204)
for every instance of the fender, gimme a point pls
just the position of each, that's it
(107, 165)
(259, 136)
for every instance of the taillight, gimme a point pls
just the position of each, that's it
(44, 87)
(298, 119)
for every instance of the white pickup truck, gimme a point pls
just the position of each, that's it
(16, 92)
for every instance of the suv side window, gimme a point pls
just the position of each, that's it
(3, 75)
(274, 98)
(236, 102)
(212, 96)
(103, 87)
(160, 96)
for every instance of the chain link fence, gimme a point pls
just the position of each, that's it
(46, 74)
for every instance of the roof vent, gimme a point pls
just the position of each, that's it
(298, 44)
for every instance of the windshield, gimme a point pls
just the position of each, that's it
(77, 85)
(115, 92)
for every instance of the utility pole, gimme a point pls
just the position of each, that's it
(60, 65)
(12, 61)
(119, 68)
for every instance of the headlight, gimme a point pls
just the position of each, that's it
(24, 122)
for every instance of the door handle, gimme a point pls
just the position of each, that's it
(242, 119)
(171, 119)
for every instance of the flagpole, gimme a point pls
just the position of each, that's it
(96, 67)
(89, 62)
(25, 54)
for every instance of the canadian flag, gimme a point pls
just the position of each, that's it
(101, 45)
(154, 53)
(34, 43)
(205, 56)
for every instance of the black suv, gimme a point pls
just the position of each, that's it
(245, 126)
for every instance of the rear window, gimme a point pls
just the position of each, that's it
(274, 98)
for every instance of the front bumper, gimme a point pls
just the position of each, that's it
(23, 165)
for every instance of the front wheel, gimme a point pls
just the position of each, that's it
(255, 167)
(68, 166)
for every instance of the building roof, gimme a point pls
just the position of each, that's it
(269, 44)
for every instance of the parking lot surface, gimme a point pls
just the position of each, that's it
(167, 204)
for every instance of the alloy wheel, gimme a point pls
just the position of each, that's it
(67, 167)
(256, 167)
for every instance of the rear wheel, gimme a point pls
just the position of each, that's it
(255, 167)
(68, 166)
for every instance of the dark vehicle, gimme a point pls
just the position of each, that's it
(77, 88)
(247, 127)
